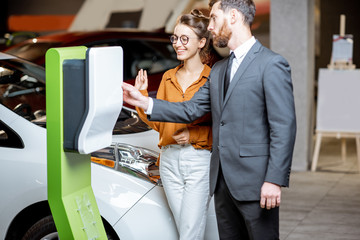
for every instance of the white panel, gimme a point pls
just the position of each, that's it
(338, 107)
(105, 69)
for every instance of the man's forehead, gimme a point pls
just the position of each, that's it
(215, 8)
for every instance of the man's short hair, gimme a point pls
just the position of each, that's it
(245, 7)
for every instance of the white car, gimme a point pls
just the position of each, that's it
(124, 178)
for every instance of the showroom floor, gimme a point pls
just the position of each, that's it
(324, 204)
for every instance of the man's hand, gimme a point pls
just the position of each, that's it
(270, 195)
(133, 97)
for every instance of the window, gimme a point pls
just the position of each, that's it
(152, 56)
(9, 138)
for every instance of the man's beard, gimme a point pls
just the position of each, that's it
(221, 40)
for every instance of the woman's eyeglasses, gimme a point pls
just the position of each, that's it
(183, 39)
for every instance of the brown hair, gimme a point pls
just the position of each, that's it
(245, 7)
(198, 22)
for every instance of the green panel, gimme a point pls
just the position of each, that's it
(70, 195)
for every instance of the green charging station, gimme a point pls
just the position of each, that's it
(79, 121)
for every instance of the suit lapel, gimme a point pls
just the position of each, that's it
(249, 57)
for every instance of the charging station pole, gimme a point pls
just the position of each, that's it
(70, 195)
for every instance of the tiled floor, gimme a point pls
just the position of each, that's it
(324, 204)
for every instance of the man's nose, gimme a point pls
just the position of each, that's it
(210, 27)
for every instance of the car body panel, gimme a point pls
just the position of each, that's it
(116, 192)
(23, 171)
(149, 207)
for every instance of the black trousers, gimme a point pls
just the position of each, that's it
(243, 220)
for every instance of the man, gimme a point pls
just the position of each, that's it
(254, 124)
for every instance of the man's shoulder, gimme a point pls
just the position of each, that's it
(265, 51)
(267, 57)
(266, 54)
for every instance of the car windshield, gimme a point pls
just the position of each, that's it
(22, 89)
(22, 86)
(14, 64)
(32, 51)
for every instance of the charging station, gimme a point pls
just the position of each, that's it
(83, 102)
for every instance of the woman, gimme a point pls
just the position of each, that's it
(185, 148)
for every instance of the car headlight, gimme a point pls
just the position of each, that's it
(136, 161)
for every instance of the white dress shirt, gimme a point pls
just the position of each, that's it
(240, 52)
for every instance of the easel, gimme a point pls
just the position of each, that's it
(337, 65)
(339, 135)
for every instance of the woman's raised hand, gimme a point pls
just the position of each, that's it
(141, 81)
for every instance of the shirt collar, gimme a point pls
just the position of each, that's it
(204, 74)
(244, 48)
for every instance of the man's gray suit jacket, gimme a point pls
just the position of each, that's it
(254, 126)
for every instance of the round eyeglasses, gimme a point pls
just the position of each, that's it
(183, 39)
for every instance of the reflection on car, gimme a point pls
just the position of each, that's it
(151, 51)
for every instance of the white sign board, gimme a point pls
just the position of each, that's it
(338, 107)
(342, 48)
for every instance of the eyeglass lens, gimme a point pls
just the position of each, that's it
(183, 39)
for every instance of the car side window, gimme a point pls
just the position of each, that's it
(9, 138)
(152, 56)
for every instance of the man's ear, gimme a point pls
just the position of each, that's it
(235, 16)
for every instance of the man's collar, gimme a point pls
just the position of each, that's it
(244, 48)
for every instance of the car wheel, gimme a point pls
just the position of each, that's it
(45, 229)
